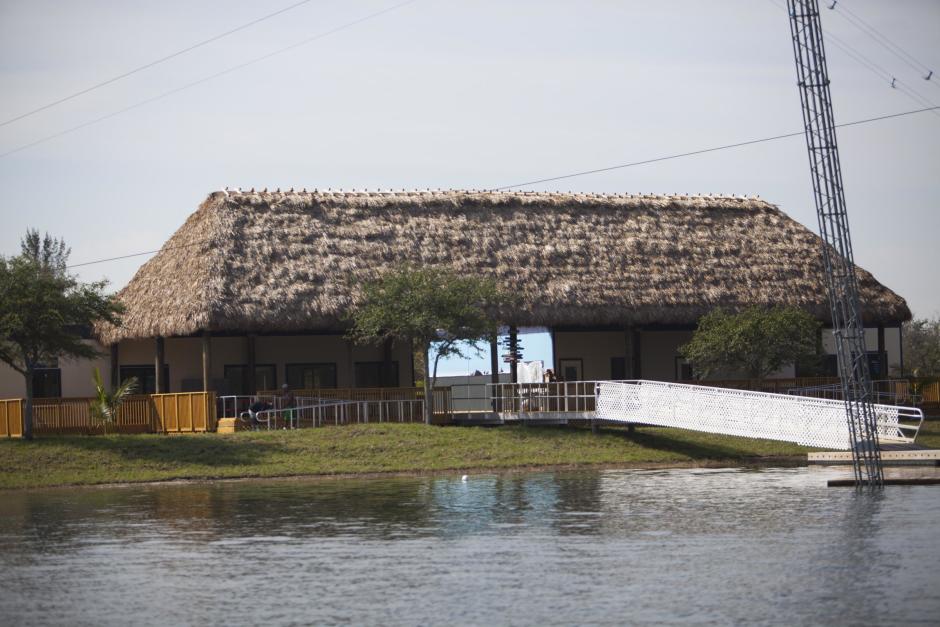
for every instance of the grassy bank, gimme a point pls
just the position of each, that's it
(372, 448)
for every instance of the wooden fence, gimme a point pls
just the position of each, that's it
(158, 413)
(192, 412)
(11, 418)
(60, 416)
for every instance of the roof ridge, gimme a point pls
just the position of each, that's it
(403, 192)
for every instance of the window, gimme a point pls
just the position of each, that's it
(830, 365)
(146, 378)
(369, 375)
(47, 383)
(236, 378)
(683, 370)
(876, 365)
(570, 369)
(618, 368)
(311, 376)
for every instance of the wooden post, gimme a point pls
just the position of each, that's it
(206, 360)
(513, 351)
(159, 359)
(882, 353)
(636, 370)
(629, 355)
(115, 367)
(250, 367)
(387, 380)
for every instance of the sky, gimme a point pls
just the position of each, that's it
(451, 94)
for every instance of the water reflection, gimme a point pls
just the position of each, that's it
(546, 547)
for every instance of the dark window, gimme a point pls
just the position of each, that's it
(146, 378)
(618, 368)
(683, 370)
(876, 365)
(47, 383)
(311, 376)
(369, 375)
(830, 365)
(236, 378)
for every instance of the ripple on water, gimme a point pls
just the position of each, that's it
(628, 546)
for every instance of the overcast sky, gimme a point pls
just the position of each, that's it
(454, 94)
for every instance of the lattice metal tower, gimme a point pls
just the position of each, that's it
(847, 326)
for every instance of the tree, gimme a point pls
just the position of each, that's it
(757, 341)
(425, 307)
(105, 406)
(921, 346)
(43, 309)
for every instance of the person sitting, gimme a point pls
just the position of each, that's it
(257, 406)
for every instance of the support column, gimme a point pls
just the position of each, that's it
(882, 353)
(513, 351)
(206, 360)
(161, 386)
(494, 370)
(637, 365)
(387, 379)
(250, 364)
(115, 367)
(629, 351)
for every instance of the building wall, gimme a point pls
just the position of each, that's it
(184, 357)
(76, 375)
(659, 351)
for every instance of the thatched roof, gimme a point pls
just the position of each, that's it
(291, 261)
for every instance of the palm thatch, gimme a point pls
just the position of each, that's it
(292, 261)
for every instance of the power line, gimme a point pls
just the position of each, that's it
(146, 252)
(707, 150)
(145, 66)
(205, 79)
(585, 172)
(884, 41)
(888, 77)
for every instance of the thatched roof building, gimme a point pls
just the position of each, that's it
(294, 261)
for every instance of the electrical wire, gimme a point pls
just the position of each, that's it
(707, 150)
(210, 77)
(581, 173)
(922, 69)
(151, 64)
(888, 77)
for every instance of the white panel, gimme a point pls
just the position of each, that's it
(812, 422)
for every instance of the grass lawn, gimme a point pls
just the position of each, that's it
(374, 448)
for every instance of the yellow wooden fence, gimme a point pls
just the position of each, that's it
(190, 412)
(11, 418)
(60, 416)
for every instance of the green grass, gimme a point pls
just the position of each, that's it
(375, 448)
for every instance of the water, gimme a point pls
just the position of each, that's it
(595, 547)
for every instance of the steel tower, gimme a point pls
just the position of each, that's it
(847, 326)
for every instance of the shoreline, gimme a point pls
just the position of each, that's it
(774, 461)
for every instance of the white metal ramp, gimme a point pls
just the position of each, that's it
(815, 422)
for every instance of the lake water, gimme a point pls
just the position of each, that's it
(594, 547)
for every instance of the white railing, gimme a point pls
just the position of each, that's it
(815, 422)
(559, 396)
(316, 412)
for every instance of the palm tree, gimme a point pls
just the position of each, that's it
(105, 406)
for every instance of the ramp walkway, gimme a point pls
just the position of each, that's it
(814, 422)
